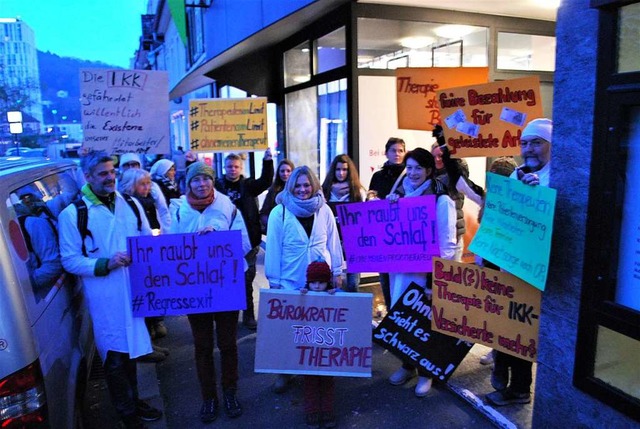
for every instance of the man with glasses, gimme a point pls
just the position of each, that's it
(102, 266)
(535, 148)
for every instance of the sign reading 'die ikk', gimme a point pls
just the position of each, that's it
(177, 274)
(314, 334)
(486, 306)
(487, 120)
(417, 88)
(515, 232)
(406, 332)
(384, 237)
(125, 110)
(227, 125)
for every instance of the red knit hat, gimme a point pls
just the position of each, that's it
(318, 271)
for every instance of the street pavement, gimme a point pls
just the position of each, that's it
(360, 402)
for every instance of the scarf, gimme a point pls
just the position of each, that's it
(199, 203)
(410, 191)
(340, 191)
(300, 208)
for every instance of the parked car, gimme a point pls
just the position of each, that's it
(46, 335)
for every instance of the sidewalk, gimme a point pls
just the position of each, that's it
(172, 385)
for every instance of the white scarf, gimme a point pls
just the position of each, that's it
(300, 208)
(410, 191)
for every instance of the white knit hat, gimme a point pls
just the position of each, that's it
(541, 127)
(130, 157)
(161, 167)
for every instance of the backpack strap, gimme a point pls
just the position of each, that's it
(129, 199)
(83, 221)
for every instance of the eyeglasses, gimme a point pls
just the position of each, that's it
(534, 144)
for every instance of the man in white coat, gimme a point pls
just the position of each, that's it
(100, 260)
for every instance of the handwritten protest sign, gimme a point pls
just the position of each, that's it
(406, 332)
(486, 306)
(515, 232)
(487, 120)
(125, 110)
(178, 274)
(417, 87)
(314, 334)
(379, 236)
(226, 125)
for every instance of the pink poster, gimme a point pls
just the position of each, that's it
(384, 237)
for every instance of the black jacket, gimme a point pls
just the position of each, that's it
(383, 180)
(244, 194)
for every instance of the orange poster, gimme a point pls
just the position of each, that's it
(487, 120)
(417, 88)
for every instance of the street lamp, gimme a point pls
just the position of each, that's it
(15, 127)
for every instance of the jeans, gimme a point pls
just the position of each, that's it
(385, 285)
(121, 377)
(249, 276)
(353, 281)
(521, 377)
(226, 328)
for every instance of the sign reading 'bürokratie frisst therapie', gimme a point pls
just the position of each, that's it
(227, 125)
(406, 332)
(515, 232)
(315, 334)
(178, 274)
(488, 119)
(379, 236)
(125, 110)
(486, 306)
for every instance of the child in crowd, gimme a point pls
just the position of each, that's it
(319, 389)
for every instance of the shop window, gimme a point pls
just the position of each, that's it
(526, 52)
(331, 51)
(297, 65)
(317, 125)
(389, 44)
(629, 38)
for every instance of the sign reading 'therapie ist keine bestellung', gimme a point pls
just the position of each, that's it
(226, 125)
(125, 110)
(487, 120)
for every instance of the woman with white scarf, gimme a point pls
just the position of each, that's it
(418, 181)
(302, 229)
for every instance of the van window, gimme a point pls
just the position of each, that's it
(36, 207)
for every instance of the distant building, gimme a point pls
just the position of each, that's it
(19, 62)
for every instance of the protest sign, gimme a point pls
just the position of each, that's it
(177, 274)
(406, 332)
(488, 119)
(384, 237)
(314, 334)
(486, 306)
(125, 110)
(417, 88)
(228, 125)
(515, 232)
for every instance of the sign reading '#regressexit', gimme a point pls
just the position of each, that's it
(225, 125)
(315, 333)
(125, 110)
(515, 232)
(176, 274)
(386, 237)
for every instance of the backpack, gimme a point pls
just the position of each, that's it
(83, 219)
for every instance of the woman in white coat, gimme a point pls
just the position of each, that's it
(301, 229)
(418, 181)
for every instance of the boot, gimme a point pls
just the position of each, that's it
(249, 321)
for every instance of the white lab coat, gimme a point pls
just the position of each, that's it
(219, 215)
(109, 297)
(290, 251)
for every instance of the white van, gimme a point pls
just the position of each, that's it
(46, 337)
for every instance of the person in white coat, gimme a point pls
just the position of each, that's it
(418, 181)
(101, 263)
(301, 229)
(202, 210)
